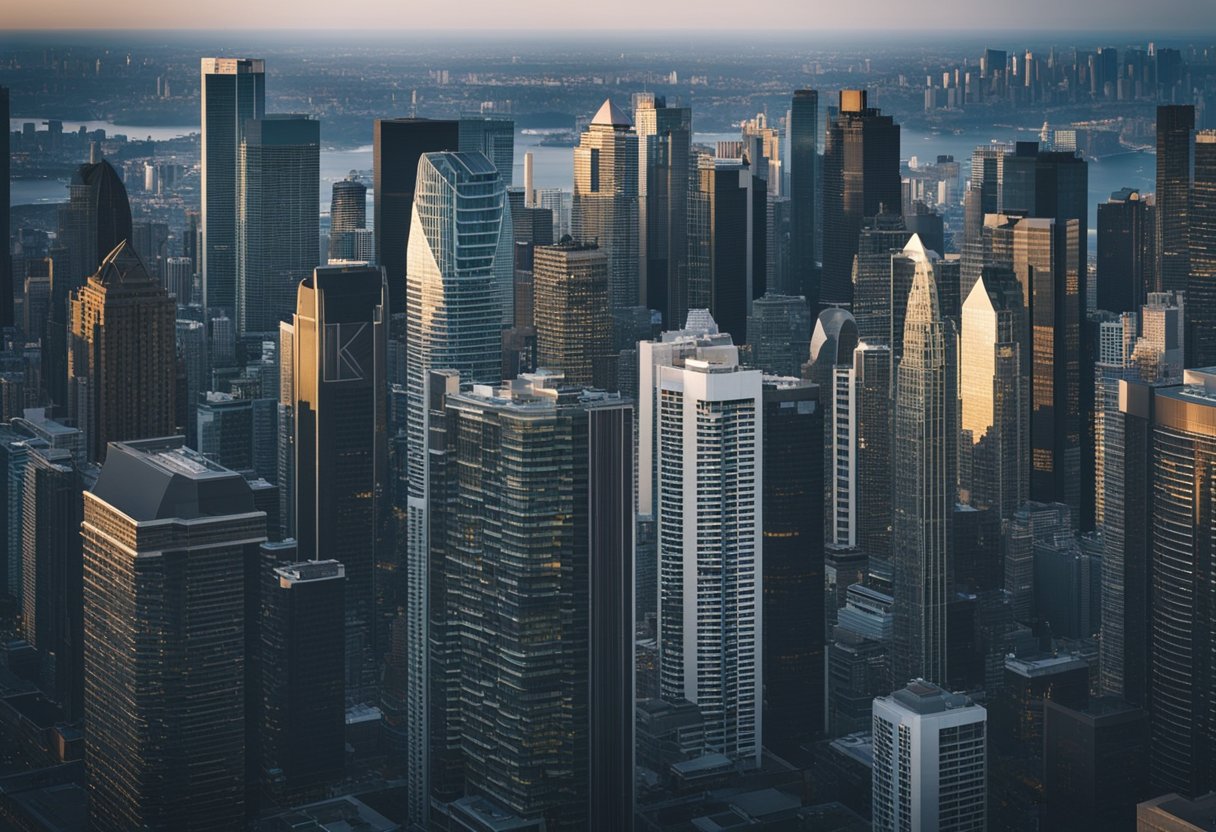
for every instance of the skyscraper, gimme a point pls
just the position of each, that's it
(880, 288)
(778, 331)
(278, 190)
(860, 179)
(664, 154)
(793, 649)
(872, 386)
(606, 199)
(458, 293)
(1181, 676)
(397, 146)
(6, 262)
(537, 584)
(233, 91)
(1175, 159)
(341, 451)
(96, 218)
(992, 396)
(711, 632)
(924, 474)
(727, 259)
(122, 366)
(1126, 254)
(571, 314)
(302, 732)
(1201, 280)
(930, 761)
(52, 581)
(225, 430)
(804, 148)
(168, 540)
(347, 214)
(493, 136)
(1047, 269)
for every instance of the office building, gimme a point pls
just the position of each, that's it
(1095, 764)
(233, 92)
(923, 470)
(727, 257)
(860, 179)
(341, 455)
(397, 146)
(1126, 251)
(779, 331)
(873, 420)
(605, 208)
(993, 466)
(51, 573)
(6, 262)
(1201, 245)
(571, 314)
(225, 430)
(537, 718)
(302, 732)
(347, 217)
(492, 136)
(709, 435)
(458, 287)
(1175, 164)
(930, 761)
(664, 154)
(95, 219)
(278, 189)
(793, 650)
(880, 284)
(170, 543)
(122, 367)
(803, 131)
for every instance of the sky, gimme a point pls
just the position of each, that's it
(1161, 16)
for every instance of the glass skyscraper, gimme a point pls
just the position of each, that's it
(924, 475)
(233, 91)
(803, 131)
(1175, 160)
(278, 190)
(340, 442)
(458, 300)
(664, 147)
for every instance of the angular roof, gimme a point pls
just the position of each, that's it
(123, 265)
(161, 479)
(611, 115)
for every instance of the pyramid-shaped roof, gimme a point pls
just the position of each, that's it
(611, 115)
(123, 265)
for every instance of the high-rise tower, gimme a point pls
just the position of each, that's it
(233, 91)
(606, 199)
(860, 179)
(1175, 158)
(278, 190)
(924, 471)
(122, 364)
(1201, 280)
(803, 153)
(664, 153)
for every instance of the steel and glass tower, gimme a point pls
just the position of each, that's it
(278, 190)
(606, 199)
(860, 179)
(458, 300)
(804, 148)
(347, 214)
(233, 91)
(572, 319)
(664, 148)
(337, 381)
(1175, 158)
(1201, 282)
(924, 473)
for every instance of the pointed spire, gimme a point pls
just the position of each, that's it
(611, 115)
(123, 265)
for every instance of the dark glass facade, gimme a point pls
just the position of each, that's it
(1126, 253)
(340, 439)
(1201, 282)
(860, 179)
(1175, 158)
(803, 152)
(397, 145)
(793, 572)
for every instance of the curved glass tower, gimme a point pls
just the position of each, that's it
(458, 295)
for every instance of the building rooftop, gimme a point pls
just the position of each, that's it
(921, 697)
(1199, 814)
(161, 479)
(611, 115)
(858, 747)
(1045, 665)
(488, 816)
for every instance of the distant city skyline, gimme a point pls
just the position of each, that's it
(1169, 16)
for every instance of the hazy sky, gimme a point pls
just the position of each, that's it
(1150, 17)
